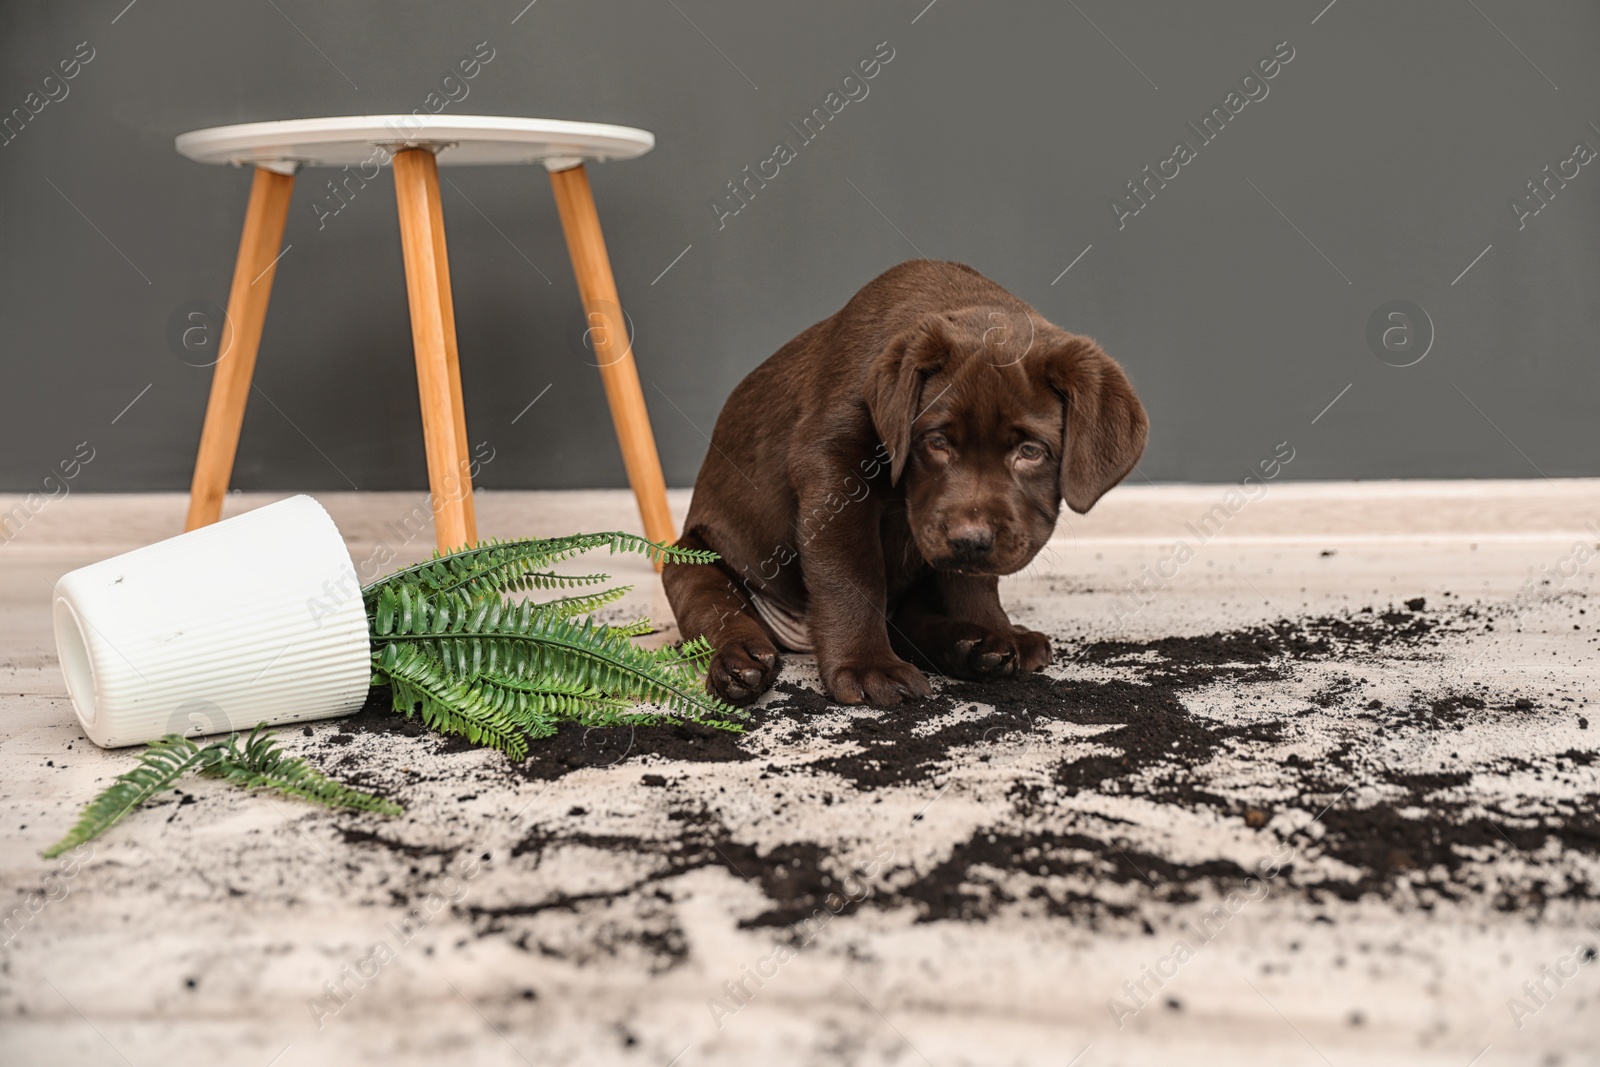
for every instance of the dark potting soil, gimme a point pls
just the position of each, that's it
(1365, 799)
(1150, 724)
(1385, 842)
(895, 746)
(791, 876)
(572, 747)
(1196, 659)
(357, 836)
(377, 716)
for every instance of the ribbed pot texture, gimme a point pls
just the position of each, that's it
(255, 618)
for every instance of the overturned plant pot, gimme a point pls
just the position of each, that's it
(255, 619)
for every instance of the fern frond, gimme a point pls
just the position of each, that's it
(507, 566)
(538, 705)
(582, 604)
(471, 638)
(540, 580)
(636, 628)
(260, 764)
(451, 646)
(161, 764)
(540, 709)
(694, 652)
(448, 703)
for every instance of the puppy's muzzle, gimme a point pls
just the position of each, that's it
(970, 545)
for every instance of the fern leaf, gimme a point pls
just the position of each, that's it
(260, 764)
(539, 704)
(583, 604)
(497, 672)
(504, 566)
(457, 634)
(448, 703)
(161, 764)
(636, 628)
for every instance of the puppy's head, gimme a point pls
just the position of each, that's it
(990, 439)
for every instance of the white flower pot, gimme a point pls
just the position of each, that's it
(256, 618)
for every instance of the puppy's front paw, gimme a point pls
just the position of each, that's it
(972, 651)
(742, 670)
(1033, 650)
(882, 684)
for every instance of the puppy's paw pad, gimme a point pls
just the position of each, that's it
(742, 670)
(881, 685)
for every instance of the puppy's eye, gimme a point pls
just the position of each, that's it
(936, 442)
(1030, 452)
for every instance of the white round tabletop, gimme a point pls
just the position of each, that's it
(457, 140)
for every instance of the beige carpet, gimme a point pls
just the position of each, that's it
(1312, 780)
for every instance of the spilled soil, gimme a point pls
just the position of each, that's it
(1312, 779)
(573, 747)
(791, 877)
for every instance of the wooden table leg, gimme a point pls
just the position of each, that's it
(612, 348)
(433, 333)
(241, 338)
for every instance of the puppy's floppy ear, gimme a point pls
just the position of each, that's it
(894, 385)
(1106, 426)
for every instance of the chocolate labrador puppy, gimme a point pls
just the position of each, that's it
(867, 486)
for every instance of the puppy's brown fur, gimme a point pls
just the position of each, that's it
(868, 484)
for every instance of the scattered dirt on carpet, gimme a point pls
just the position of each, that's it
(1412, 842)
(1362, 802)
(377, 717)
(794, 878)
(574, 747)
(357, 836)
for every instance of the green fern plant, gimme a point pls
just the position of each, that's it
(260, 764)
(451, 647)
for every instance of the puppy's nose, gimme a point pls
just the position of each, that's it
(969, 540)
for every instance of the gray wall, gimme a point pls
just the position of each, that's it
(1382, 161)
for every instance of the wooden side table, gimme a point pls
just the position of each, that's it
(416, 147)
